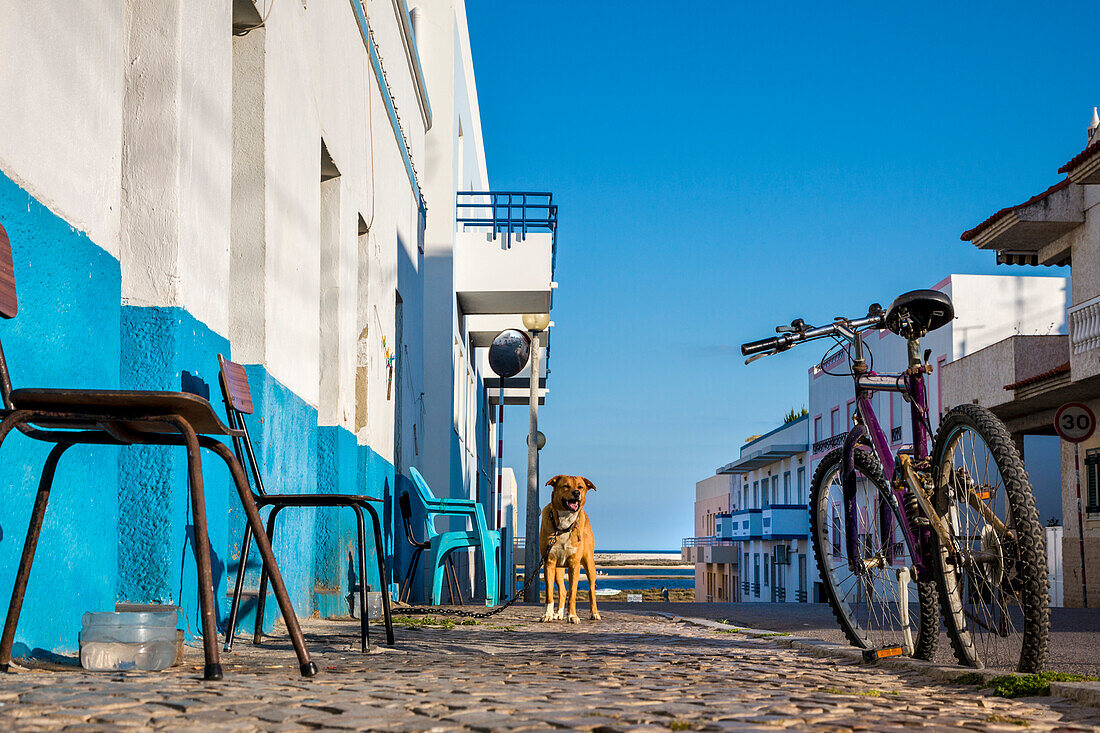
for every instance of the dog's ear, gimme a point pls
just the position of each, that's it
(591, 486)
(554, 480)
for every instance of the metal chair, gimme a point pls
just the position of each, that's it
(441, 544)
(238, 403)
(67, 417)
(418, 548)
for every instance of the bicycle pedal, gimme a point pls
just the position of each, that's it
(873, 655)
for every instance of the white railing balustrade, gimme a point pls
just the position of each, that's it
(1084, 326)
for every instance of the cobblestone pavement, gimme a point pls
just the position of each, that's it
(632, 671)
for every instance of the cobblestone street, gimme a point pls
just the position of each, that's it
(633, 671)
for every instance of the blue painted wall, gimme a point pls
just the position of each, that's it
(119, 523)
(168, 349)
(66, 335)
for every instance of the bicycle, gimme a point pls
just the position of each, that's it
(951, 516)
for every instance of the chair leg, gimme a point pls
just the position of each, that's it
(305, 665)
(261, 600)
(383, 574)
(457, 587)
(29, 546)
(213, 669)
(406, 585)
(364, 620)
(238, 586)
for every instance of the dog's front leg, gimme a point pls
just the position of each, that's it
(574, 578)
(590, 571)
(560, 582)
(550, 576)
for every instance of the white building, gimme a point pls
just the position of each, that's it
(276, 182)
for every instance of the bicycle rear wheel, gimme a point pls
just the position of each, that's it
(875, 604)
(995, 594)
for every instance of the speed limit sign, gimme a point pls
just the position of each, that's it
(1074, 422)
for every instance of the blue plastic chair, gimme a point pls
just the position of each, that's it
(442, 544)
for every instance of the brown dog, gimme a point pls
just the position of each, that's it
(566, 541)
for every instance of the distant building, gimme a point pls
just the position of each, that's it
(1025, 379)
(751, 523)
(769, 520)
(714, 557)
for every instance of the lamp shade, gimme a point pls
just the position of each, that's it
(536, 321)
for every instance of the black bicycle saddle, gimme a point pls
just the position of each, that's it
(916, 313)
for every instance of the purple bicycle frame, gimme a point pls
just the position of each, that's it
(910, 383)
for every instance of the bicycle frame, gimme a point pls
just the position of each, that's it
(910, 384)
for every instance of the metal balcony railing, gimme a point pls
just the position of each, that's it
(829, 443)
(745, 587)
(895, 434)
(705, 542)
(781, 594)
(800, 596)
(509, 213)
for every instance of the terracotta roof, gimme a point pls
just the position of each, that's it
(1080, 157)
(971, 233)
(1039, 377)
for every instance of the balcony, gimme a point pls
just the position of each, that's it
(708, 549)
(827, 444)
(785, 522)
(505, 251)
(1084, 339)
(744, 525)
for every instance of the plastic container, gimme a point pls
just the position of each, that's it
(374, 604)
(111, 642)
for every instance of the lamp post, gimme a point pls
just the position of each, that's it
(535, 323)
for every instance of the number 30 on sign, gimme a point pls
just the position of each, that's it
(1075, 422)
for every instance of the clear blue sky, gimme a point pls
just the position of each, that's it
(724, 167)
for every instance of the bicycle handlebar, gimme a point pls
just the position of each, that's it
(758, 347)
(842, 327)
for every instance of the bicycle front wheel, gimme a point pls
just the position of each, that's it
(993, 584)
(875, 597)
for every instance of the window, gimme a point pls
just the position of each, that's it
(787, 487)
(766, 571)
(834, 421)
(755, 494)
(817, 428)
(895, 409)
(775, 489)
(849, 414)
(756, 572)
(459, 375)
(802, 485)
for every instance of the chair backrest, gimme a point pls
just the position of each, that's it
(9, 303)
(238, 403)
(427, 500)
(9, 306)
(405, 503)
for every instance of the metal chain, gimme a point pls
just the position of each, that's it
(533, 578)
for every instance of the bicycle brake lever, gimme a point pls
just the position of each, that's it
(753, 358)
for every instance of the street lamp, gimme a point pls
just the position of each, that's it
(535, 323)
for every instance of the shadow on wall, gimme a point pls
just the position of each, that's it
(217, 570)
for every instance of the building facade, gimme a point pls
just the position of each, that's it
(769, 520)
(714, 557)
(275, 182)
(1025, 380)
